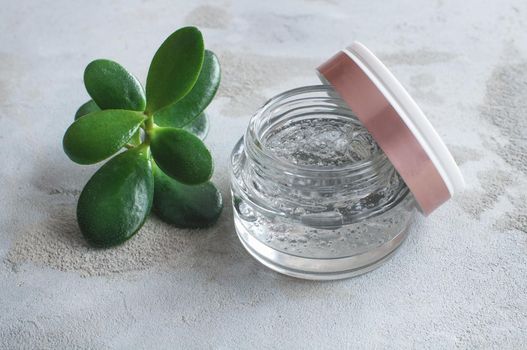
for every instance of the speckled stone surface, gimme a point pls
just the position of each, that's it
(460, 280)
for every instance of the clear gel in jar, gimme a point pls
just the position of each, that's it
(314, 196)
(327, 179)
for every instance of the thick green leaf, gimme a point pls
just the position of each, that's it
(116, 201)
(174, 68)
(91, 106)
(112, 87)
(87, 108)
(187, 109)
(98, 135)
(181, 155)
(183, 205)
(199, 126)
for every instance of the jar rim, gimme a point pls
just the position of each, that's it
(255, 145)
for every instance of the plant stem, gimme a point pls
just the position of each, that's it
(149, 123)
(149, 126)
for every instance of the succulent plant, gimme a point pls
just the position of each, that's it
(165, 166)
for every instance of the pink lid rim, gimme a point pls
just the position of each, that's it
(389, 130)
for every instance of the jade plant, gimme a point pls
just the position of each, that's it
(164, 167)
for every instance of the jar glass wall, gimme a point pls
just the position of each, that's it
(314, 196)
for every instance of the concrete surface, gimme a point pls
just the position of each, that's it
(459, 281)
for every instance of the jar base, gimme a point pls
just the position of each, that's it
(318, 268)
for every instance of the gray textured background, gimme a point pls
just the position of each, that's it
(459, 281)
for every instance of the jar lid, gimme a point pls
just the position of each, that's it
(397, 124)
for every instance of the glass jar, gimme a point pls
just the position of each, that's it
(327, 178)
(314, 196)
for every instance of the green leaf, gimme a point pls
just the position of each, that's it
(87, 108)
(112, 87)
(116, 201)
(199, 126)
(174, 68)
(187, 109)
(98, 135)
(183, 205)
(181, 155)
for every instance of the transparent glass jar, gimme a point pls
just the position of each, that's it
(314, 196)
